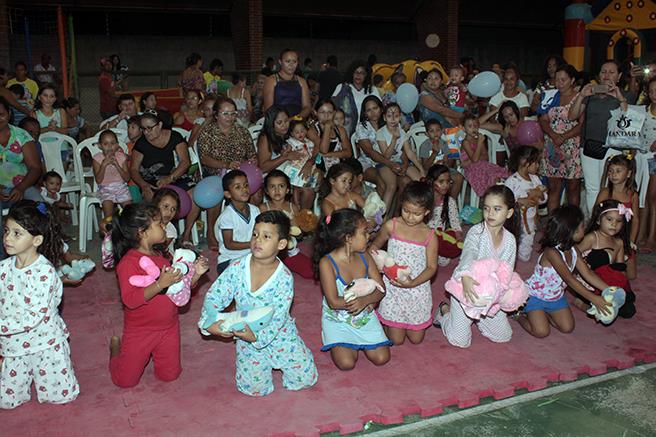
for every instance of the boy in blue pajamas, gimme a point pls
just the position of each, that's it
(257, 280)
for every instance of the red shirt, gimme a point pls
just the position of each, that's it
(106, 92)
(158, 313)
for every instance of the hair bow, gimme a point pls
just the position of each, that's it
(628, 155)
(297, 118)
(626, 212)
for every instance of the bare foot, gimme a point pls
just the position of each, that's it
(114, 346)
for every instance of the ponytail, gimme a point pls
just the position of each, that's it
(39, 218)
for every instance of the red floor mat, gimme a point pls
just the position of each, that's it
(420, 379)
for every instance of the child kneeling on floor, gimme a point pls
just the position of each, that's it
(257, 280)
(150, 325)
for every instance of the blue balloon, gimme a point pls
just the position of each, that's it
(407, 97)
(484, 84)
(209, 192)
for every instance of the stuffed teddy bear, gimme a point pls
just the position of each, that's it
(361, 287)
(77, 269)
(183, 260)
(256, 319)
(534, 197)
(386, 264)
(499, 289)
(306, 220)
(374, 208)
(181, 290)
(613, 295)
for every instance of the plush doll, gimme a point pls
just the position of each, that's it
(178, 293)
(107, 252)
(499, 289)
(256, 319)
(535, 196)
(77, 269)
(613, 295)
(448, 244)
(306, 221)
(361, 287)
(374, 208)
(183, 260)
(386, 264)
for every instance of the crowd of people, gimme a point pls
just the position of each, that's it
(327, 146)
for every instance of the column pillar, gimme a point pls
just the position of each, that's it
(437, 31)
(246, 25)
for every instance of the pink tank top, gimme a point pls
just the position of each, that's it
(111, 173)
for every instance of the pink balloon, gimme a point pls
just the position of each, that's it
(254, 175)
(185, 201)
(529, 132)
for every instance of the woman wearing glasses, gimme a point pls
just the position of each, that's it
(222, 145)
(153, 164)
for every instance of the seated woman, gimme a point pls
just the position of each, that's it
(222, 145)
(153, 164)
(242, 97)
(21, 170)
(190, 111)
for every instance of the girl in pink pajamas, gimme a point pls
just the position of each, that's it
(33, 336)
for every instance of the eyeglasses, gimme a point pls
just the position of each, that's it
(228, 113)
(149, 128)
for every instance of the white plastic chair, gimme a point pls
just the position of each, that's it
(494, 145)
(417, 135)
(185, 133)
(51, 146)
(254, 131)
(88, 219)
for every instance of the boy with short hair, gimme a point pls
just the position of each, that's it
(276, 345)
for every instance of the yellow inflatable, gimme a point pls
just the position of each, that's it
(410, 68)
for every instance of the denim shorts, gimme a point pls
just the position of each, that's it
(548, 306)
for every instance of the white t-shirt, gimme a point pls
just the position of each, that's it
(242, 230)
(383, 134)
(171, 232)
(44, 75)
(520, 188)
(358, 96)
(520, 100)
(49, 200)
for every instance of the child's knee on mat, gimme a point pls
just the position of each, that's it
(168, 374)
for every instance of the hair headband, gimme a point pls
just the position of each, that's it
(622, 210)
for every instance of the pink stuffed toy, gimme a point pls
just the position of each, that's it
(361, 287)
(499, 289)
(386, 264)
(178, 297)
